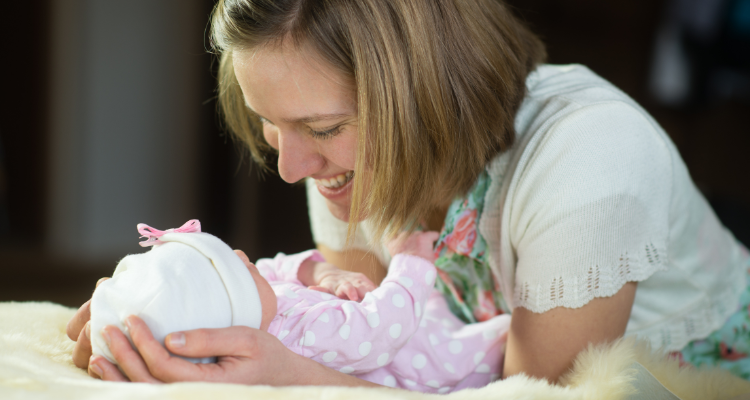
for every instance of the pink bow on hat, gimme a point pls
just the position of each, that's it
(152, 235)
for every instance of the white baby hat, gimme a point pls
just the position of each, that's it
(186, 281)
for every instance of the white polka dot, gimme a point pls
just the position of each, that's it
(449, 367)
(489, 334)
(410, 382)
(302, 341)
(290, 294)
(287, 312)
(330, 356)
(419, 361)
(429, 277)
(334, 302)
(446, 333)
(347, 370)
(325, 295)
(455, 346)
(423, 323)
(483, 369)
(309, 338)
(389, 381)
(433, 384)
(417, 309)
(447, 323)
(373, 319)
(368, 298)
(398, 300)
(283, 334)
(348, 308)
(344, 331)
(478, 357)
(406, 281)
(364, 348)
(444, 389)
(288, 265)
(324, 318)
(382, 359)
(494, 377)
(433, 339)
(395, 331)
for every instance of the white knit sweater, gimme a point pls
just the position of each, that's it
(593, 195)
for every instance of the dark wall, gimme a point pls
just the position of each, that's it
(23, 121)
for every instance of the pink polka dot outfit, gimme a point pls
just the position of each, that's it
(402, 334)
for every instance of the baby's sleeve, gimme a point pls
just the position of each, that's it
(354, 337)
(284, 268)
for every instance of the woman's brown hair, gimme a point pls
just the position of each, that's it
(438, 83)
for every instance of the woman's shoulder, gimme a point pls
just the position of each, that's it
(582, 140)
(574, 124)
(556, 91)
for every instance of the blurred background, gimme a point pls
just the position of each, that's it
(109, 119)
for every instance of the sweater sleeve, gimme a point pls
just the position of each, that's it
(591, 209)
(357, 337)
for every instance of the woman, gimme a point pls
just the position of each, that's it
(561, 199)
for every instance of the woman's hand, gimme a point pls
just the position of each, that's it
(326, 277)
(246, 356)
(79, 330)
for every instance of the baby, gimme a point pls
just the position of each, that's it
(401, 334)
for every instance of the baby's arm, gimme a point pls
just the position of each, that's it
(310, 269)
(358, 337)
(285, 268)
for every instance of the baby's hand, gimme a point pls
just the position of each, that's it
(326, 277)
(419, 244)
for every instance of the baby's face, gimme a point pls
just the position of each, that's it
(267, 296)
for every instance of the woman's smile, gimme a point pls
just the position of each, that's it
(335, 182)
(336, 189)
(309, 116)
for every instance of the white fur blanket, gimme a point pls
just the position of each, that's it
(35, 363)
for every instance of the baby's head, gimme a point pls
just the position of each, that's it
(267, 296)
(189, 280)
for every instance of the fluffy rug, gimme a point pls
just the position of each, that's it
(35, 363)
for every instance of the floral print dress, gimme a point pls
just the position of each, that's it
(470, 287)
(728, 347)
(464, 275)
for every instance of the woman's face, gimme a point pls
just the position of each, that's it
(309, 115)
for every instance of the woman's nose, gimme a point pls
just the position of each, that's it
(298, 156)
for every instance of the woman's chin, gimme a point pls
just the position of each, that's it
(342, 211)
(339, 211)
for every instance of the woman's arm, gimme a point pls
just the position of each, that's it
(355, 260)
(545, 345)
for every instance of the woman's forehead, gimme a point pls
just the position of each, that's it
(288, 78)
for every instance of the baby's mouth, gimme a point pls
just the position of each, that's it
(336, 181)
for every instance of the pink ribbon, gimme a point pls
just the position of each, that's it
(152, 235)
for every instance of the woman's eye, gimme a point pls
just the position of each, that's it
(327, 134)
